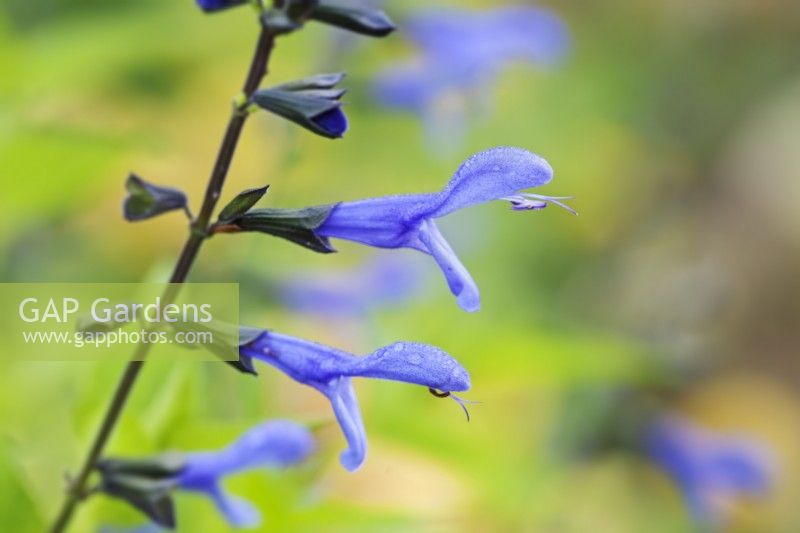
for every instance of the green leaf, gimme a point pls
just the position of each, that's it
(146, 200)
(243, 201)
(296, 225)
(363, 20)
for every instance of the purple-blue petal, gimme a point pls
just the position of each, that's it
(217, 5)
(304, 361)
(708, 467)
(479, 42)
(410, 87)
(458, 277)
(333, 122)
(410, 362)
(386, 222)
(275, 444)
(237, 511)
(348, 414)
(392, 221)
(491, 175)
(318, 365)
(376, 283)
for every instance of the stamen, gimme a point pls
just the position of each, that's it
(520, 203)
(530, 201)
(460, 401)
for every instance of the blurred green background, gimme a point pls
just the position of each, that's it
(676, 123)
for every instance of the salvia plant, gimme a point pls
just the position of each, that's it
(403, 221)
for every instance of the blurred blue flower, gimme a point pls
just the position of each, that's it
(330, 371)
(374, 284)
(217, 5)
(711, 470)
(462, 52)
(407, 221)
(273, 444)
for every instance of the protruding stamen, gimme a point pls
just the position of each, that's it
(520, 203)
(460, 401)
(463, 403)
(529, 201)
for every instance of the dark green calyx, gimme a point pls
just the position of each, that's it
(295, 225)
(146, 200)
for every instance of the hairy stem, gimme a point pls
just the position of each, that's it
(258, 69)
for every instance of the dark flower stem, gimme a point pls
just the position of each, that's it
(78, 489)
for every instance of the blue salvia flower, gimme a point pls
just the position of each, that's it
(216, 5)
(408, 221)
(357, 291)
(711, 470)
(461, 54)
(274, 444)
(330, 371)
